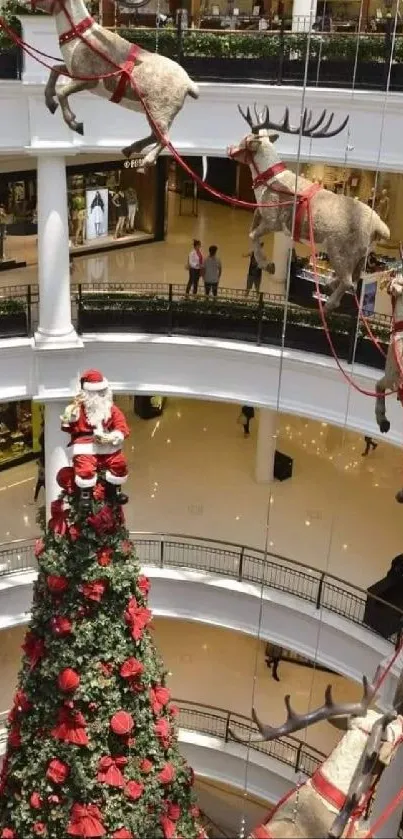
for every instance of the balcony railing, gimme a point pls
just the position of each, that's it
(240, 562)
(164, 309)
(218, 722)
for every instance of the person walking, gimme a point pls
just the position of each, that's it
(369, 444)
(247, 414)
(254, 276)
(40, 480)
(212, 271)
(194, 265)
(273, 655)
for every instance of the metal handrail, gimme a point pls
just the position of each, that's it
(218, 722)
(241, 562)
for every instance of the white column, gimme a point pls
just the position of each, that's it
(266, 445)
(55, 450)
(303, 15)
(55, 328)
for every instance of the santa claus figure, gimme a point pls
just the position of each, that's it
(97, 429)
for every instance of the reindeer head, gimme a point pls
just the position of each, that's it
(262, 137)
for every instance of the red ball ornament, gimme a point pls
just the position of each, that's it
(61, 626)
(167, 774)
(134, 790)
(56, 584)
(146, 766)
(122, 723)
(57, 771)
(8, 833)
(68, 680)
(36, 801)
(39, 828)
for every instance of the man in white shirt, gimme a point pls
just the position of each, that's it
(194, 265)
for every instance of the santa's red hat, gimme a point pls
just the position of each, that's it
(93, 380)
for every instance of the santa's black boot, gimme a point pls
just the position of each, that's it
(85, 498)
(115, 495)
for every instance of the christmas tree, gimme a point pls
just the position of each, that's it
(92, 749)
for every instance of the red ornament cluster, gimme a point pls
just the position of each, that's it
(137, 618)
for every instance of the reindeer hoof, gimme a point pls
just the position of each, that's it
(79, 128)
(52, 106)
(384, 426)
(127, 152)
(399, 496)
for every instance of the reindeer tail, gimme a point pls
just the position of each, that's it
(380, 230)
(193, 90)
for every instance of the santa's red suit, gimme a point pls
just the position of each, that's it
(95, 448)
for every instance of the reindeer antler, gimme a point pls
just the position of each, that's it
(330, 710)
(318, 129)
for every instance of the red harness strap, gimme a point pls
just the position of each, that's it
(302, 206)
(260, 832)
(268, 174)
(335, 796)
(76, 31)
(125, 75)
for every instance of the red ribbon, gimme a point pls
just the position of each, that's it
(58, 520)
(71, 728)
(85, 820)
(109, 771)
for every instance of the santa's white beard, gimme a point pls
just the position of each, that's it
(97, 407)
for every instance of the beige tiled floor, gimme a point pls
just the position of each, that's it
(192, 471)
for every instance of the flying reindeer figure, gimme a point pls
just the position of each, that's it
(342, 226)
(86, 47)
(341, 790)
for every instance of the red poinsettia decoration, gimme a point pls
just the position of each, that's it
(39, 548)
(167, 774)
(68, 680)
(134, 790)
(173, 811)
(144, 585)
(131, 668)
(159, 697)
(8, 833)
(122, 723)
(21, 702)
(104, 556)
(39, 828)
(71, 727)
(58, 518)
(94, 590)
(57, 771)
(85, 820)
(168, 826)
(122, 833)
(61, 625)
(34, 648)
(163, 731)
(109, 771)
(137, 617)
(104, 521)
(56, 583)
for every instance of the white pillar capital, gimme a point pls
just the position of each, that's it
(265, 445)
(55, 329)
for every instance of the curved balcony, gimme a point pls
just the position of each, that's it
(225, 584)
(204, 734)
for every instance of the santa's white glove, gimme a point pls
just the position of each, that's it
(115, 438)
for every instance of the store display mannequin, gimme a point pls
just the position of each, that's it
(97, 211)
(79, 216)
(120, 202)
(132, 207)
(384, 205)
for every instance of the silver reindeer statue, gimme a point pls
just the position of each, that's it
(342, 226)
(335, 801)
(90, 50)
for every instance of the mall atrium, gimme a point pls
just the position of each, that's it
(200, 475)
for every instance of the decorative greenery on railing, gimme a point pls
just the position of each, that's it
(371, 48)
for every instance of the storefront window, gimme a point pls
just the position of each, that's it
(20, 432)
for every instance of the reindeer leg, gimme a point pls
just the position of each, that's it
(256, 232)
(63, 95)
(138, 145)
(389, 380)
(50, 89)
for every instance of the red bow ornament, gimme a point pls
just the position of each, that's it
(58, 519)
(137, 617)
(34, 649)
(109, 771)
(85, 820)
(71, 728)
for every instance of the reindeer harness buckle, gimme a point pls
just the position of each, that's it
(76, 31)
